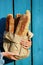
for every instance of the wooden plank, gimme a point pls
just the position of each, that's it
(5, 9)
(12, 63)
(20, 7)
(37, 20)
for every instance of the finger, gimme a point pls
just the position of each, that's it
(26, 44)
(26, 47)
(13, 58)
(4, 53)
(7, 53)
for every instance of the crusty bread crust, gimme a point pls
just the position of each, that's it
(23, 24)
(10, 23)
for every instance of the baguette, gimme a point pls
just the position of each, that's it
(10, 23)
(23, 24)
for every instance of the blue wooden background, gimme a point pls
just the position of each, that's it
(37, 20)
(20, 6)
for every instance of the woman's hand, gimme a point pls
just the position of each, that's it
(9, 55)
(26, 44)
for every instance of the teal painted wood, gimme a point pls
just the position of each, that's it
(20, 6)
(5, 9)
(37, 20)
(12, 63)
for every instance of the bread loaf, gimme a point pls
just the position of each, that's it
(10, 23)
(23, 24)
